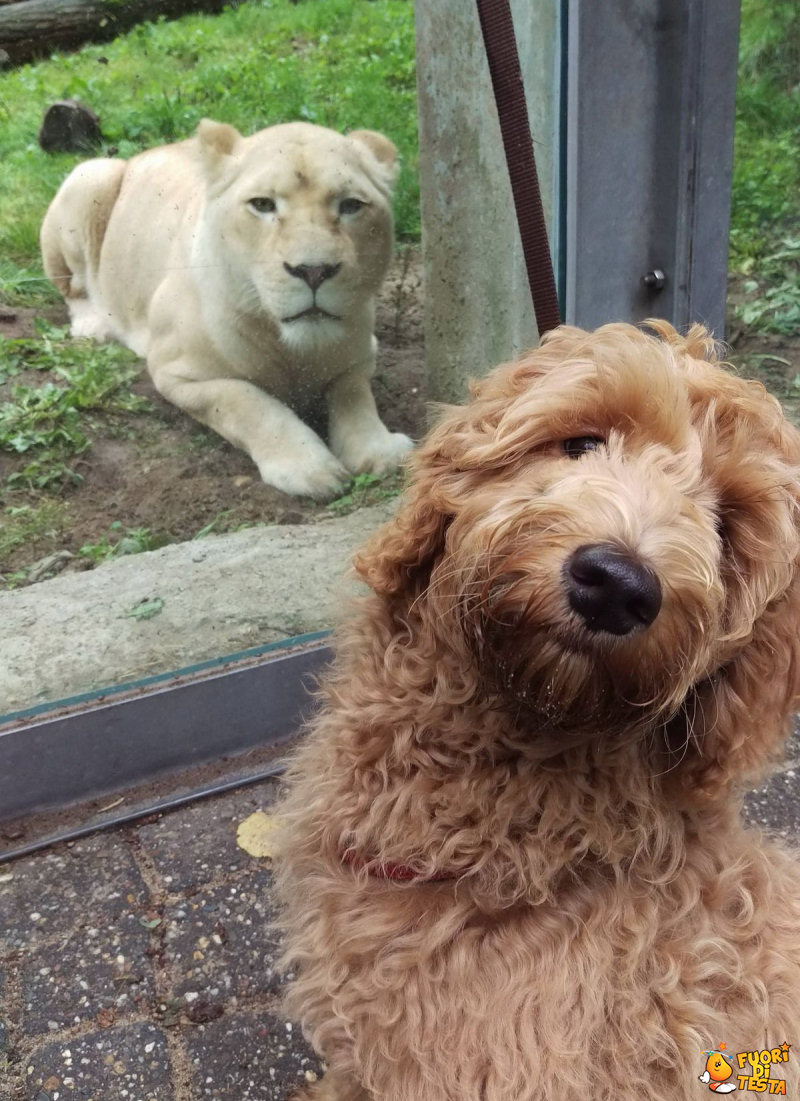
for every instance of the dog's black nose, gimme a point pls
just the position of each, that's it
(610, 590)
(313, 274)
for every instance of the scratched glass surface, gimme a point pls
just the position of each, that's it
(198, 423)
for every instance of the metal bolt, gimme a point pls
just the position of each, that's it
(654, 279)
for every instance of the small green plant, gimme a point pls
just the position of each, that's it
(118, 542)
(367, 489)
(145, 609)
(50, 421)
(219, 523)
(26, 525)
(774, 295)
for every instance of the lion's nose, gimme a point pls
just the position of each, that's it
(313, 274)
(610, 590)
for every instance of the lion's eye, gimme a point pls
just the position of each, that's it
(351, 206)
(579, 445)
(262, 205)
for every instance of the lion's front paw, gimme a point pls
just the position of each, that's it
(376, 455)
(88, 322)
(320, 476)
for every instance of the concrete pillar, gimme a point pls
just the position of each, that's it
(478, 310)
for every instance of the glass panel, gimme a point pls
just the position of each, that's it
(97, 469)
(133, 538)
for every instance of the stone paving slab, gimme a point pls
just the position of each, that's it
(239, 1058)
(198, 845)
(98, 974)
(131, 1063)
(3, 1028)
(776, 805)
(139, 965)
(53, 893)
(219, 941)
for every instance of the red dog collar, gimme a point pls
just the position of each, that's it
(398, 873)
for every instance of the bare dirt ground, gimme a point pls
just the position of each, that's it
(167, 474)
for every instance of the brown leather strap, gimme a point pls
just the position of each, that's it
(509, 93)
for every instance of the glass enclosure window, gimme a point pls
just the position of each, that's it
(137, 540)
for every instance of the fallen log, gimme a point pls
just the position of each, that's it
(35, 28)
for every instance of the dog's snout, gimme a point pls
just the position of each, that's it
(610, 590)
(313, 274)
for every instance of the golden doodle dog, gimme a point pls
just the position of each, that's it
(513, 865)
(244, 270)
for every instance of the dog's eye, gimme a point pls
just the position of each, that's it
(351, 206)
(262, 205)
(579, 445)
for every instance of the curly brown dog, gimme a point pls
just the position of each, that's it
(514, 865)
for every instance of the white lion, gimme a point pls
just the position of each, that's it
(245, 271)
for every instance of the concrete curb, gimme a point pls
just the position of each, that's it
(208, 598)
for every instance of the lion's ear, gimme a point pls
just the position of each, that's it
(383, 150)
(216, 140)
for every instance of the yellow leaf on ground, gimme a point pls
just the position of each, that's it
(256, 834)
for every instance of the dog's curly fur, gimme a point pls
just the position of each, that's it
(604, 917)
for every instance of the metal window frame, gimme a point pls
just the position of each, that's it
(648, 159)
(77, 750)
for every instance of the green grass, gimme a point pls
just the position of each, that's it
(120, 541)
(27, 524)
(48, 422)
(368, 489)
(766, 185)
(22, 286)
(346, 64)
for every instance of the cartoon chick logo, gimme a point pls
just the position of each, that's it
(718, 1072)
(753, 1070)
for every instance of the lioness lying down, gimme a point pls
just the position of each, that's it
(245, 271)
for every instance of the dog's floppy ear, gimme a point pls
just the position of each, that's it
(740, 718)
(398, 559)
